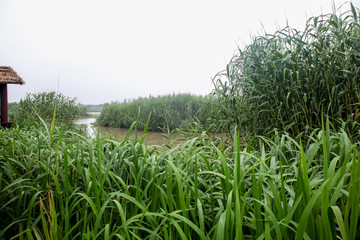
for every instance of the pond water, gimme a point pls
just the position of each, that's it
(152, 138)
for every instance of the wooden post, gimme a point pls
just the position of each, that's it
(4, 104)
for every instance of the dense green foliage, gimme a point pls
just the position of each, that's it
(289, 79)
(40, 106)
(167, 112)
(60, 185)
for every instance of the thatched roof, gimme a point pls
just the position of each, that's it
(9, 76)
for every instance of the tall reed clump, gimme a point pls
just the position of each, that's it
(35, 105)
(167, 112)
(60, 185)
(289, 79)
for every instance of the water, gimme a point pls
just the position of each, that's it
(151, 138)
(89, 127)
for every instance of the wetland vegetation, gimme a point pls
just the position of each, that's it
(167, 112)
(297, 175)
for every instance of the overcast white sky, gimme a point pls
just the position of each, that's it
(111, 50)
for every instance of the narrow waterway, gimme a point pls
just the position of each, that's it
(152, 138)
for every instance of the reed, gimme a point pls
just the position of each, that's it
(168, 112)
(289, 79)
(61, 185)
(56, 183)
(35, 105)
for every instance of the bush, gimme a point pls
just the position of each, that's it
(289, 79)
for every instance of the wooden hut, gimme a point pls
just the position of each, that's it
(7, 76)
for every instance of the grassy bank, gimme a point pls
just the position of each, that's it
(61, 185)
(167, 112)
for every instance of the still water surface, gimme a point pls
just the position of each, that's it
(152, 138)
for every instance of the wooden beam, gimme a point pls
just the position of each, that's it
(4, 104)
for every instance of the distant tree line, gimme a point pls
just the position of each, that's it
(93, 107)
